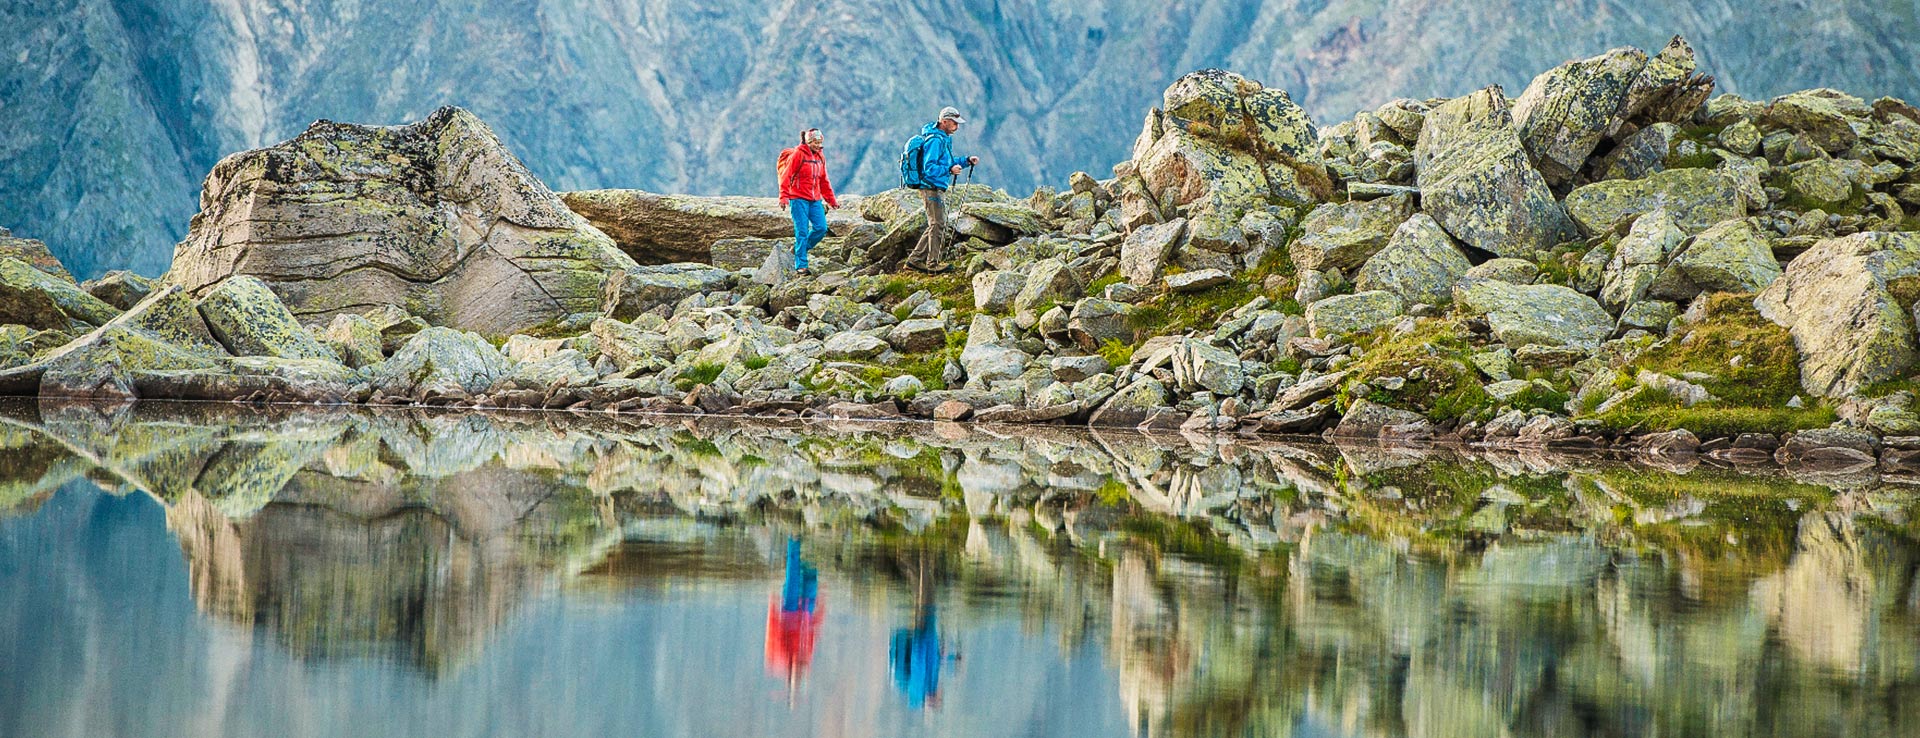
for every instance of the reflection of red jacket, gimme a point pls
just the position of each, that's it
(790, 636)
(803, 176)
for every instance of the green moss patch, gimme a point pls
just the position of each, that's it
(1754, 372)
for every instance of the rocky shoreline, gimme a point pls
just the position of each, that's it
(1615, 259)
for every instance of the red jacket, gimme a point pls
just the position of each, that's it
(803, 176)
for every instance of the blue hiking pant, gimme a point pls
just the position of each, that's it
(809, 226)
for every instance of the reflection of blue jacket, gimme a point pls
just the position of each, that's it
(917, 656)
(937, 157)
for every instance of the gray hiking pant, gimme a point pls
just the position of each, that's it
(933, 243)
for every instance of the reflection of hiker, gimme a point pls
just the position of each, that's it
(929, 165)
(793, 619)
(917, 652)
(805, 191)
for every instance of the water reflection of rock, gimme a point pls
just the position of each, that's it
(1235, 588)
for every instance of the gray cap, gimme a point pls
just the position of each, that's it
(951, 113)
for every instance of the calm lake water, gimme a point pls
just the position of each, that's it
(199, 570)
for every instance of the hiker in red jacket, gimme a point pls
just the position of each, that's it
(805, 191)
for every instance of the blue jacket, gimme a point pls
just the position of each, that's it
(938, 157)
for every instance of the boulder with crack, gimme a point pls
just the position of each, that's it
(1476, 180)
(436, 218)
(664, 229)
(1850, 329)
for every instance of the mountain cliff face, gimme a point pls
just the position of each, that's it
(115, 109)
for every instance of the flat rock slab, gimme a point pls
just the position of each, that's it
(663, 229)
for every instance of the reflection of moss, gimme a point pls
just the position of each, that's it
(1179, 537)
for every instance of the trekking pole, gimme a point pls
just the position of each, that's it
(969, 174)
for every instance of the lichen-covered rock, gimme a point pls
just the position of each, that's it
(1345, 315)
(1367, 419)
(31, 297)
(36, 254)
(161, 333)
(1014, 219)
(1227, 137)
(439, 363)
(1131, 404)
(1048, 282)
(917, 335)
(1729, 257)
(1196, 281)
(1850, 330)
(986, 358)
(666, 229)
(1420, 263)
(1643, 153)
(1198, 365)
(1476, 180)
(1542, 314)
(1696, 198)
(635, 290)
(1570, 109)
(994, 290)
(1827, 183)
(1821, 114)
(436, 218)
(356, 339)
(565, 368)
(1509, 270)
(249, 320)
(119, 288)
(1094, 321)
(849, 346)
(1344, 235)
(1143, 255)
(1637, 259)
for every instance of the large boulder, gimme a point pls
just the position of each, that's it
(1476, 180)
(1049, 282)
(162, 333)
(635, 290)
(986, 358)
(1822, 114)
(1198, 365)
(1343, 235)
(34, 298)
(1225, 137)
(664, 229)
(440, 364)
(1345, 315)
(1637, 259)
(249, 320)
(1695, 198)
(1570, 109)
(436, 218)
(1729, 257)
(1143, 255)
(1420, 264)
(1094, 321)
(1535, 314)
(34, 252)
(1849, 328)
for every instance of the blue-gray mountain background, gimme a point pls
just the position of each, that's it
(114, 110)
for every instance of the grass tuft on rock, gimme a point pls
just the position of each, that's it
(1753, 368)
(1449, 387)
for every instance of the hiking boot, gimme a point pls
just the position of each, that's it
(937, 268)
(804, 272)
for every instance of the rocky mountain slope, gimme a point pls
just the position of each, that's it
(116, 108)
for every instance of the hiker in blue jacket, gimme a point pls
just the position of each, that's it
(938, 166)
